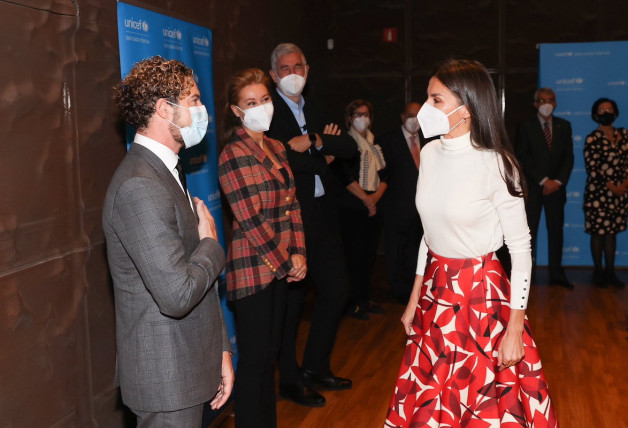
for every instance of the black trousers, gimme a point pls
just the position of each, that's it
(360, 237)
(327, 272)
(259, 326)
(403, 238)
(554, 205)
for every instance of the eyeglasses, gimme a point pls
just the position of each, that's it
(606, 110)
(365, 114)
(546, 100)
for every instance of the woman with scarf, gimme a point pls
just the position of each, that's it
(364, 178)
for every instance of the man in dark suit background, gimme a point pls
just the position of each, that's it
(173, 351)
(545, 149)
(403, 230)
(312, 142)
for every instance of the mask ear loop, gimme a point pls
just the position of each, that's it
(169, 121)
(464, 119)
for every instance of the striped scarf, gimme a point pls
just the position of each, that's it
(371, 160)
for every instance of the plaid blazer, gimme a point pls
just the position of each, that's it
(267, 227)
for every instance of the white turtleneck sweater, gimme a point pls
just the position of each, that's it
(467, 211)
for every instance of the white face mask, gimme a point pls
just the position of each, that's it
(292, 84)
(193, 133)
(361, 123)
(546, 109)
(412, 125)
(258, 118)
(434, 121)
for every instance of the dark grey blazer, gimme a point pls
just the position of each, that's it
(169, 326)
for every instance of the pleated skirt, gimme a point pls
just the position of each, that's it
(449, 375)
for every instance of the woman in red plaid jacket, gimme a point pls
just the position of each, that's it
(267, 249)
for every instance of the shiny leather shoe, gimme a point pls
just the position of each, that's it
(302, 395)
(563, 282)
(327, 381)
(358, 313)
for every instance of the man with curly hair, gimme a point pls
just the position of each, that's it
(173, 351)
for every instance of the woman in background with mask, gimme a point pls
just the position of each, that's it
(606, 161)
(470, 357)
(364, 178)
(267, 249)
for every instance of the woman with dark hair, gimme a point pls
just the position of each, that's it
(470, 357)
(364, 178)
(267, 248)
(606, 160)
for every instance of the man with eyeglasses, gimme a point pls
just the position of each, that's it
(312, 143)
(545, 149)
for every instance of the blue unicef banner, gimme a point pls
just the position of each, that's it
(142, 34)
(580, 73)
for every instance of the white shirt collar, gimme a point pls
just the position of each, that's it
(167, 156)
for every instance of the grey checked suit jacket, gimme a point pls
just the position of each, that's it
(169, 326)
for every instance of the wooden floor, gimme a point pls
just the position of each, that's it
(581, 334)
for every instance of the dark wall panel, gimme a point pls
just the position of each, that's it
(62, 142)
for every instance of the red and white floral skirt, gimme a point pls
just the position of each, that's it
(449, 375)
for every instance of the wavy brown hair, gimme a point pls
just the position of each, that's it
(240, 80)
(147, 82)
(471, 83)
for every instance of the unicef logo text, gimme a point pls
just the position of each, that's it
(572, 81)
(575, 194)
(139, 25)
(172, 34)
(201, 41)
(571, 249)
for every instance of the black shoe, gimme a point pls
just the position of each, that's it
(598, 279)
(375, 309)
(611, 279)
(358, 312)
(301, 394)
(327, 381)
(563, 282)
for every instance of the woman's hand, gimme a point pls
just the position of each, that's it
(299, 268)
(370, 203)
(408, 315)
(510, 350)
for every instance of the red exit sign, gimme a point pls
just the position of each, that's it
(389, 35)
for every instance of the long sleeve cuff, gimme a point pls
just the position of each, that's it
(520, 280)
